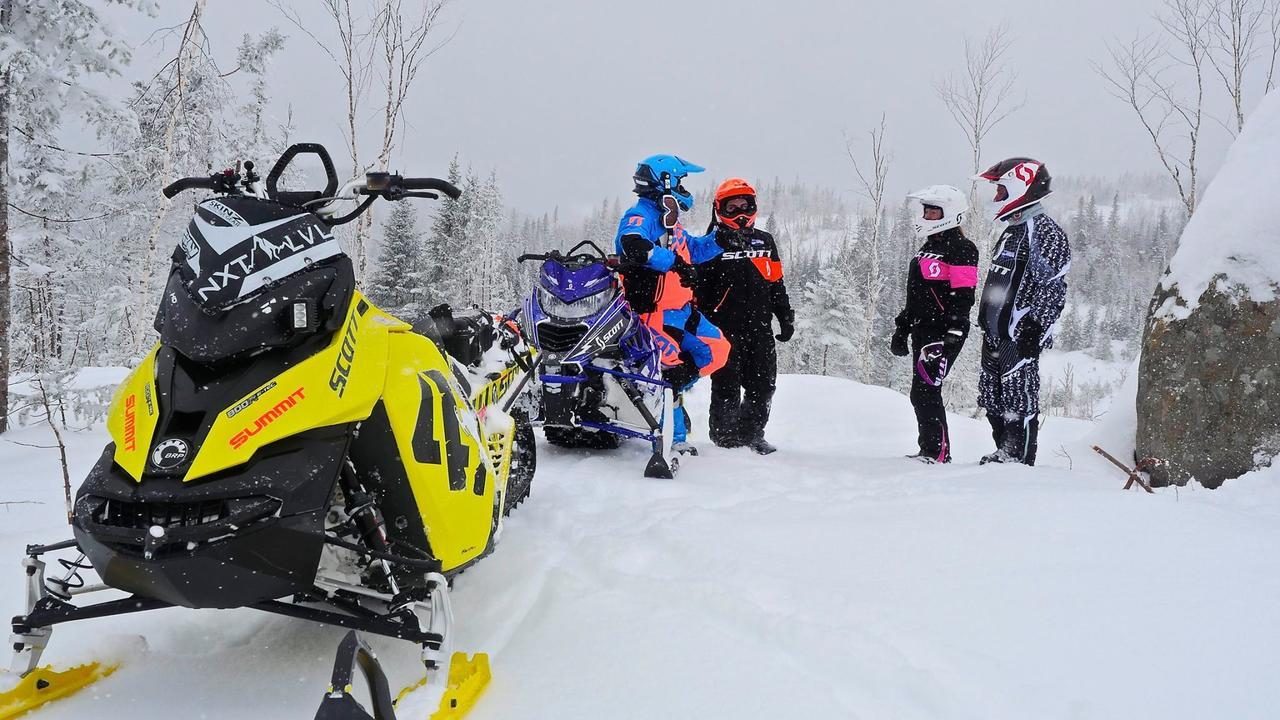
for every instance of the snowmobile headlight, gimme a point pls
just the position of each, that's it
(577, 310)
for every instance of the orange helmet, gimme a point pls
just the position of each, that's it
(737, 215)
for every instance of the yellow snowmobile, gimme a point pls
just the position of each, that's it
(287, 446)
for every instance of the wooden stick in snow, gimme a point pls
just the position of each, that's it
(1133, 474)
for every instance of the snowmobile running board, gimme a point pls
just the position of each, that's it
(467, 679)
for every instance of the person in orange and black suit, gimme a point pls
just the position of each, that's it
(742, 291)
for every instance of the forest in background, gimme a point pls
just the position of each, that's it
(86, 241)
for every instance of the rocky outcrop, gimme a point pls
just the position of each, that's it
(1209, 387)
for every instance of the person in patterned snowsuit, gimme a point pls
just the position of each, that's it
(1025, 290)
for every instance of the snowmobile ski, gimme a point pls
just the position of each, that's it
(467, 679)
(664, 463)
(44, 685)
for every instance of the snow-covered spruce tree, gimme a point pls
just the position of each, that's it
(443, 275)
(487, 254)
(48, 50)
(828, 327)
(396, 283)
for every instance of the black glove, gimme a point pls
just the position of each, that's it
(730, 239)
(898, 346)
(1030, 335)
(953, 340)
(688, 273)
(786, 328)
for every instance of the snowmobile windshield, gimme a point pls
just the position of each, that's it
(236, 246)
(574, 291)
(574, 281)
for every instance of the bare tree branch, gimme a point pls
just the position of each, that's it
(1234, 26)
(982, 98)
(46, 218)
(1273, 22)
(1140, 75)
(874, 182)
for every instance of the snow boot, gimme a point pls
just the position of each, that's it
(684, 448)
(999, 456)
(760, 446)
(1018, 441)
(928, 459)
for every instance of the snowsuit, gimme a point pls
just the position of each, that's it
(691, 345)
(1022, 298)
(940, 292)
(741, 291)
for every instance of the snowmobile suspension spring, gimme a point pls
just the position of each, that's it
(71, 581)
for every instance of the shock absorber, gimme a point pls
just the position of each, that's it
(362, 510)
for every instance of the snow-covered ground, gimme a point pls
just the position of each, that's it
(833, 579)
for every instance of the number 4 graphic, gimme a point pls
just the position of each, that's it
(457, 452)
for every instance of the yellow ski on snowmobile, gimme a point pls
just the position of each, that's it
(286, 446)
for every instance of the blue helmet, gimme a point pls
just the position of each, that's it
(658, 175)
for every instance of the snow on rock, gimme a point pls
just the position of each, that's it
(1233, 232)
(833, 579)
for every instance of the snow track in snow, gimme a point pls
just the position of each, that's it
(832, 579)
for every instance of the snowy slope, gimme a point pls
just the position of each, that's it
(834, 579)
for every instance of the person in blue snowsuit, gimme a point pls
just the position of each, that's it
(658, 272)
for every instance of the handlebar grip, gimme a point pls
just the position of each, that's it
(437, 184)
(530, 256)
(187, 183)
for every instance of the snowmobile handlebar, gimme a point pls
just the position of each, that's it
(436, 184)
(225, 181)
(574, 257)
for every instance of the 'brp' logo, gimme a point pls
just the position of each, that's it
(170, 453)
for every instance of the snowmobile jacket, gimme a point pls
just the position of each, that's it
(648, 280)
(1027, 279)
(940, 284)
(743, 290)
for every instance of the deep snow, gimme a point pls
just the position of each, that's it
(833, 579)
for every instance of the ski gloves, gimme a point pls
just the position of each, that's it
(786, 328)
(1030, 337)
(688, 273)
(898, 345)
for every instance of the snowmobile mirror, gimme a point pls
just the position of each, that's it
(670, 212)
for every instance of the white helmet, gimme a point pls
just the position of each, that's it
(952, 202)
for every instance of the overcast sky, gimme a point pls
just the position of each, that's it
(562, 97)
